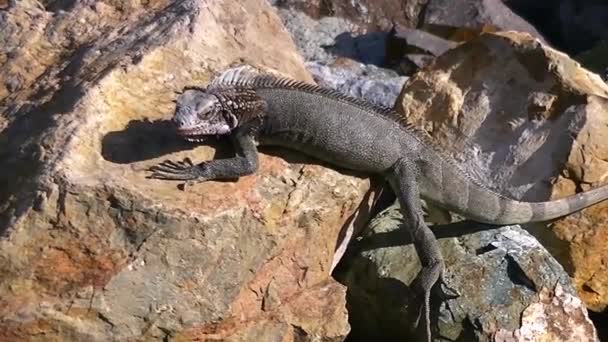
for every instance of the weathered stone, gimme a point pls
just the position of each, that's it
(532, 123)
(370, 15)
(91, 249)
(424, 41)
(476, 14)
(509, 287)
(376, 85)
(331, 38)
(408, 50)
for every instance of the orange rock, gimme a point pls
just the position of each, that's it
(92, 250)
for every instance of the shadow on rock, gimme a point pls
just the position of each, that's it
(390, 305)
(365, 325)
(367, 48)
(401, 237)
(143, 139)
(31, 131)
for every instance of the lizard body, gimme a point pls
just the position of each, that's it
(349, 133)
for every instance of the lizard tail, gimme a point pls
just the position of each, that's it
(516, 212)
(545, 211)
(451, 188)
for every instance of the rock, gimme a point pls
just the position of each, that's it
(510, 288)
(330, 38)
(409, 50)
(476, 14)
(313, 37)
(424, 41)
(531, 123)
(341, 58)
(369, 15)
(376, 85)
(91, 249)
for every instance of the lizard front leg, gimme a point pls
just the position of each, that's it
(402, 178)
(244, 163)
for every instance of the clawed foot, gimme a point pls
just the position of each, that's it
(442, 291)
(178, 170)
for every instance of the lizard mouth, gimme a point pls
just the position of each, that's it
(199, 133)
(191, 132)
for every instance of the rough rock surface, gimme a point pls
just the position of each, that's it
(408, 50)
(376, 85)
(339, 58)
(330, 38)
(370, 15)
(91, 249)
(509, 286)
(547, 138)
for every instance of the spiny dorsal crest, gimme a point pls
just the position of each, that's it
(244, 103)
(248, 77)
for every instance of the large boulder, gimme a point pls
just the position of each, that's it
(91, 249)
(532, 123)
(508, 287)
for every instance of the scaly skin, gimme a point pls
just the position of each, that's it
(347, 133)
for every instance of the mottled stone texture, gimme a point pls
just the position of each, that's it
(90, 248)
(376, 85)
(509, 288)
(368, 14)
(532, 123)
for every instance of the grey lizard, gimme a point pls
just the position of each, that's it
(260, 109)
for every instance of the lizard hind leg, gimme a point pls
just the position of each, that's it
(403, 179)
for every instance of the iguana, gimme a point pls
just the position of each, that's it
(350, 133)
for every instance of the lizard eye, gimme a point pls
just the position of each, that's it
(204, 107)
(233, 121)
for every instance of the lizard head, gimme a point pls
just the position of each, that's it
(199, 114)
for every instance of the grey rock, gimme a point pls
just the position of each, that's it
(377, 85)
(370, 15)
(424, 41)
(507, 285)
(311, 36)
(331, 37)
